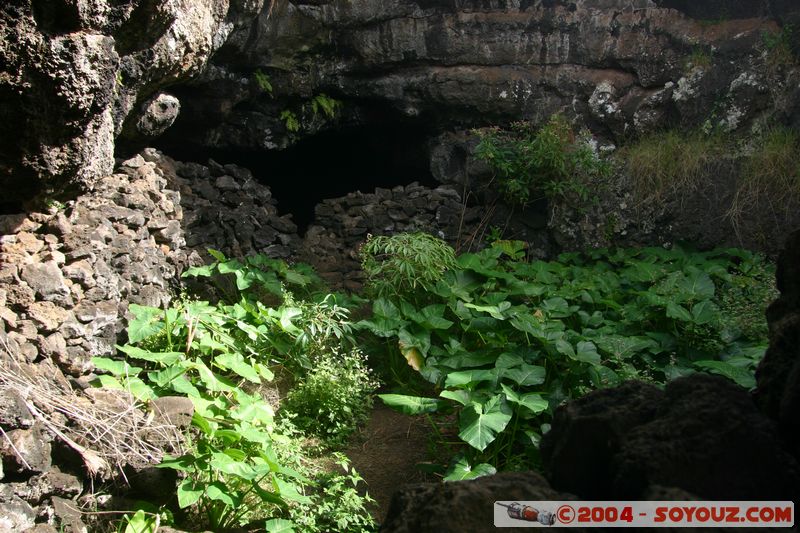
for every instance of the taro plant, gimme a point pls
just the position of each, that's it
(239, 468)
(504, 342)
(193, 349)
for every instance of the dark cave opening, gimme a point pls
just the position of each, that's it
(331, 164)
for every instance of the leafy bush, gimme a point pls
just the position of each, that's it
(196, 350)
(324, 103)
(404, 264)
(746, 296)
(507, 341)
(337, 504)
(549, 161)
(334, 397)
(291, 121)
(239, 467)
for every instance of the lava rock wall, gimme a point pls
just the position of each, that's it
(76, 73)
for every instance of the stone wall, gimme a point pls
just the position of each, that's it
(67, 276)
(341, 225)
(620, 66)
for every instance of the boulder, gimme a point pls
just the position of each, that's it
(462, 505)
(698, 435)
(75, 71)
(778, 374)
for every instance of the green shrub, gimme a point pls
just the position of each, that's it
(324, 103)
(334, 397)
(291, 121)
(404, 264)
(745, 298)
(548, 161)
(337, 504)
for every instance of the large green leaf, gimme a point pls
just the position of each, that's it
(237, 363)
(212, 381)
(462, 470)
(433, 317)
(139, 389)
(288, 491)
(165, 358)
(115, 366)
(480, 423)
(587, 353)
(414, 337)
(530, 400)
(704, 312)
(508, 360)
(742, 376)
(469, 359)
(219, 491)
(526, 375)
(165, 377)
(141, 522)
(147, 322)
(697, 285)
(279, 525)
(623, 347)
(678, 312)
(189, 493)
(464, 397)
(466, 377)
(222, 462)
(410, 405)
(495, 311)
(558, 307)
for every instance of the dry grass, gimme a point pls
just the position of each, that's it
(769, 182)
(108, 433)
(670, 163)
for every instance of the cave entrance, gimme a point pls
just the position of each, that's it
(334, 163)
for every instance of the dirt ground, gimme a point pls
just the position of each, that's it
(386, 451)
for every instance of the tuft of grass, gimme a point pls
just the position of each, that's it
(770, 176)
(670, 162)
(698, 58)
(779, 47)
